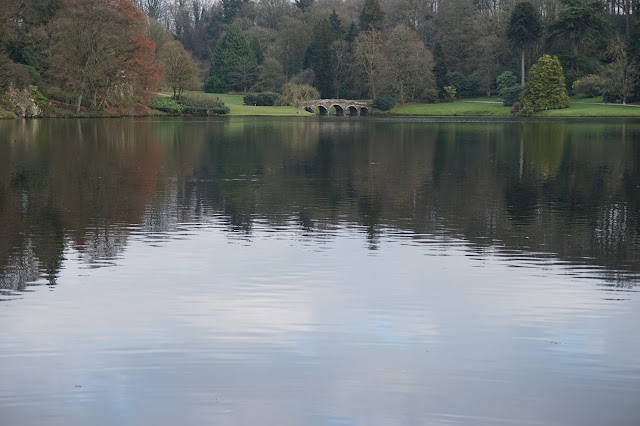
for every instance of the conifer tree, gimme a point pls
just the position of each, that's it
(371, 16)
(231, 53)
(440, 69)
(545, 88)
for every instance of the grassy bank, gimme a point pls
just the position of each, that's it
(237, 107)
(491, 107)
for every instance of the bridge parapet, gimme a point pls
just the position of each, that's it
(341, 106)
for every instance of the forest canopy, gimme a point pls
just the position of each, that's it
(97, 54)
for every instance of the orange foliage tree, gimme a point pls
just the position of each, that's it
(100, 54)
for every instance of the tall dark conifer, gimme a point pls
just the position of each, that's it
(440, 69)
(371, 16)
(322, 61)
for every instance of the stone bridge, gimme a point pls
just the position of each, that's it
(341, 106)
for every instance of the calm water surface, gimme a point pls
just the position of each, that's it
(319, 272)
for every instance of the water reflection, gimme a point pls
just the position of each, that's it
(569, 190)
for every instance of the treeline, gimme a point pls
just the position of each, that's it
(102, 53)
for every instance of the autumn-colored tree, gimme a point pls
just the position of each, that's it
(180, 72)
(99, 51)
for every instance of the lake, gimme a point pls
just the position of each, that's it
(322, 271)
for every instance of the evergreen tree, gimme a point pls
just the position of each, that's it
(231, 53)
(256, 47)
(352, 33)
(371, 16)
(440, 69)
(336, 26)
(322, 60)
(545, 88)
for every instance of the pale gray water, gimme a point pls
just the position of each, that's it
(319, 272)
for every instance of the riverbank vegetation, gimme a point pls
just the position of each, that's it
(109, 57)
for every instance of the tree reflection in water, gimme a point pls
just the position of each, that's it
(569, 190)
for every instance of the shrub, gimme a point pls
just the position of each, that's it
(506, 80)
(57, 94)
(40, 100)
(429, 96)
(166, 104)
(511, 95)
(515, 109)
(250, 99)
(384, 103)
(202, 105)
(591, 85)
(545, 88)
(450, 92)
(297, 94)
(261, 99)
(455, 80)
(470, 86)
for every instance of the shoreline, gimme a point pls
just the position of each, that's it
(463, 108)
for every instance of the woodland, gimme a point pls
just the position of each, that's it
(72, 56)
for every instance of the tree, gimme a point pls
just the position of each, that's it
(578, 19)
(292, 39)
(99, 51)
(270, 11)
(244, 73)
(524, 29)
(336, 26)
(407, 71)
(622, 75)
(545, 88)
(506, 80)
(322, 59)
(439, 69)
(303, 5)
(180, 72)
(340, 57)
(367, 55)
(158, 34)
(230, 52)
(271, 77)
(371, 16)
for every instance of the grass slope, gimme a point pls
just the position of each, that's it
(237, 107)
(490, 107)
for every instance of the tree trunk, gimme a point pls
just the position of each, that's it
(522, 68)
(78, 103)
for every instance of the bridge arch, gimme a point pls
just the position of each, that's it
(341, 107)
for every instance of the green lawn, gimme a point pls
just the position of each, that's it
(237, 107)
(476, 107)
(491, 107)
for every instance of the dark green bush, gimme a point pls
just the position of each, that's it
(267, 99)
(250, 99)
(57, 94)
(261, 99)
(202, 105)
(384, 103)
(510, 95)
(429, 96)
